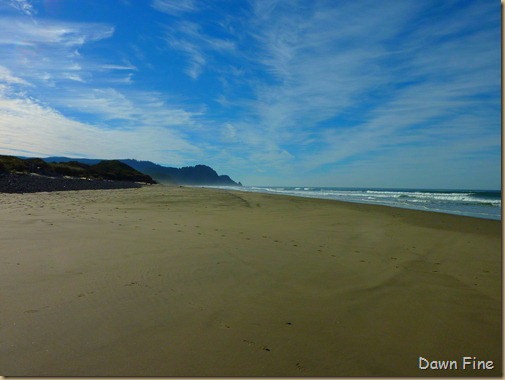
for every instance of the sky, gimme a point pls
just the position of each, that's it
(394, 94)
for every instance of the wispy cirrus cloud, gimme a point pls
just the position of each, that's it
(283, 89)
(129, 108)
(45, 53)
(26, 32)
(451, 105)
(189, 38)
(7, 77)
(66, 86)
(313, 71)
(51, 133)
(48, 49)
(196, 57)
(317, 68)
(175, 8)
(118, 67)
(338, 90)
(24, 6)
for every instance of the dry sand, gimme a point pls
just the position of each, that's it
(173, 281)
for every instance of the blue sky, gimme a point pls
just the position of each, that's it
(316, 93)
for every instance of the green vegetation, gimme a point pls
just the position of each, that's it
(116, 170)
(105, 170)
(31, 165)
(71, 169)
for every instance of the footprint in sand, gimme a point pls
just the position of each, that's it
(253, 344)
(224, 325)
(300, 367)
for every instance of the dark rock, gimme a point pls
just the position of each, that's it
(29, 183)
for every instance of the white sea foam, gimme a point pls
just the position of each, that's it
(471, 203)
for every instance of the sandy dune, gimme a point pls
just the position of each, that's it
(173, 281)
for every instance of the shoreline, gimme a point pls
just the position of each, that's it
(188, 281)
(473, 214)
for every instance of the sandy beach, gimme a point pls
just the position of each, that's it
(178, 281)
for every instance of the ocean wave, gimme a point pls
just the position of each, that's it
(485, 204)
(472, 203)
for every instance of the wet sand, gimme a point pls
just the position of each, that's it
(170, 281)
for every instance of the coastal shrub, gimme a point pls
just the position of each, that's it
(71, 170)
(118, 171)
(13, 164)
(108, 169)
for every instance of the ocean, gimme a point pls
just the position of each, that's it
(476, 203)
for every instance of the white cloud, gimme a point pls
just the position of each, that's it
(132, 108)
(71, 86)
(6, 76)
(175, 8)
(189, 38)
(338, 89)
(304, 85)
(39, 50)
(18, 31)
(196, 57)
(421, 118)
(24, 6)
(229, 133)
(118, 67)
(26, 126)
(106, 103)
(73, 77)
(127, 79)
(321, 60)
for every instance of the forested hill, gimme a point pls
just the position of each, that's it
(112, 170)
